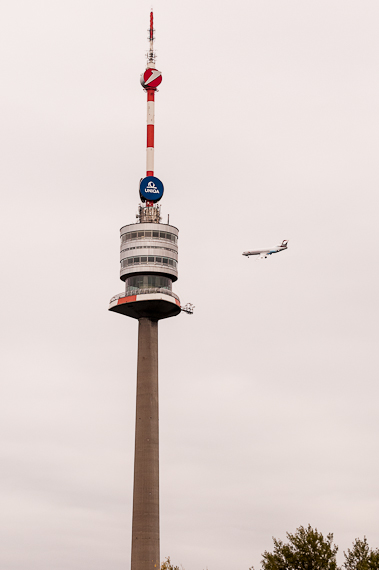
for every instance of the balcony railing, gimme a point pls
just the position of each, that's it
(135, 291)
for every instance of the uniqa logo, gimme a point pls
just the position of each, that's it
(151, 188)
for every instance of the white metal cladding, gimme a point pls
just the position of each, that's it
(149, 226)
(149, 254)
(130, 240)
(150, 159)
(138, 248)
(150, 112)
(159, 269)
(145, 263)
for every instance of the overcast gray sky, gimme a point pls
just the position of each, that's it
(266, 129)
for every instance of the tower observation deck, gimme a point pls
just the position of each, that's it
(148, 267)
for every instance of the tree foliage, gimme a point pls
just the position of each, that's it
(307, 549)
(166, 565)
(361, 557)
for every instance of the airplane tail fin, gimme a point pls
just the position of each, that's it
(284, 243)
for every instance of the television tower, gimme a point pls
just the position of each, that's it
(149, 266)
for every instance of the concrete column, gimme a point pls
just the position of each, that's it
(145, 530)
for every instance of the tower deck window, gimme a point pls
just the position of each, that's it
(147, 282)
(149, 235)
(150, 259)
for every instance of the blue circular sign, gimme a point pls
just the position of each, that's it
(151, 189)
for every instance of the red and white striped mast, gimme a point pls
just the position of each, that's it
(150, 80)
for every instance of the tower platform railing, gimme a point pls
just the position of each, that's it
(135, 291)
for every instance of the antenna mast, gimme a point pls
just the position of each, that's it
(150, 81)
(151, 38)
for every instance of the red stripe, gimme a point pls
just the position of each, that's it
(150, 94)
(150, 135)
(151, 26)
(126, 299)
(150, 173)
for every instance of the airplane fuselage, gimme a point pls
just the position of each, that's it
(266, 252)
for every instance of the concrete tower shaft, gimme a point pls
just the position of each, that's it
(145, 531)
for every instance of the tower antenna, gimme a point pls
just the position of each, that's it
(150, 80)
(151, 53)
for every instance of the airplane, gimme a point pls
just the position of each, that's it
(263, 253)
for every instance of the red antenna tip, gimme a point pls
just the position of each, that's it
(151, 25)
